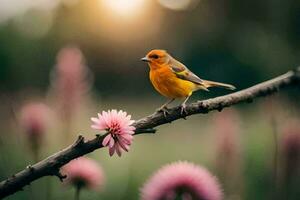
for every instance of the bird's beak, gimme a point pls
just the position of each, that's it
(145, 59)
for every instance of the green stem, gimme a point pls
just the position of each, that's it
(77, 192)
(274, 189)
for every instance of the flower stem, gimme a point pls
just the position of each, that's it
(77, 192)
(273, 122)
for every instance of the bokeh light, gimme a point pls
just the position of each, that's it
(124, 7)
(179, 4)
(13, 8)
(34, 24)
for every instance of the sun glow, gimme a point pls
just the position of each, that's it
(124, 7)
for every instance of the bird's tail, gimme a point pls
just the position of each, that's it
(209, 84)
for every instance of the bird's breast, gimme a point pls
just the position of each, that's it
(169, 85)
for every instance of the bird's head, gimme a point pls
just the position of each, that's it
(157, 56)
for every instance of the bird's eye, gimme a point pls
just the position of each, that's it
(154, 56)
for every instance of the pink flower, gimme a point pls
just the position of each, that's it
(290, 147)
(184, 180)
(228, 161)
(71, 80)
(228, 148)
(227, 129)
(34, 119)
(119, 128)
(291, 138)
(84, 172)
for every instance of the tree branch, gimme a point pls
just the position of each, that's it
(51, 165)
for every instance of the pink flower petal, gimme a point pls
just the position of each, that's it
(122, 114)
(127, 137)
(111, 142)
(129, 132)
(112, 150)
(99, 124)
(130, 122)
(94, 119)
(95, 127)
(129, 129)
(106, 140)
(106, 118)
(123, 145)
(118, 149)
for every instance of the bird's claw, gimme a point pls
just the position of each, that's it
(183, 111)
(164, 110)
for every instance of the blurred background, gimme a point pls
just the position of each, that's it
(66, 60)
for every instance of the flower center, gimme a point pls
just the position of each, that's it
(114, 128)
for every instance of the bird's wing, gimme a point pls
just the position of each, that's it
(184, 73)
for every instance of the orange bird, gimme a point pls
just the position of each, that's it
(173, 79)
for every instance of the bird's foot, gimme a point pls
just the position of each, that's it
(183, 111)
(164, 110)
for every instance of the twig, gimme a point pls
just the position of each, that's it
(51, 165)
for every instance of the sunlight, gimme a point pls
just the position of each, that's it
(179, 4)
(124, 7)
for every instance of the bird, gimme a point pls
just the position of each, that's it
(174, 80)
